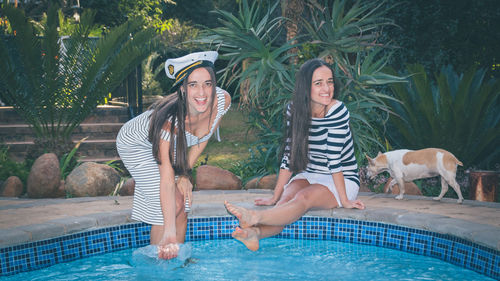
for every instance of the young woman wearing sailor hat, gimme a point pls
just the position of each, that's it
(160, 146)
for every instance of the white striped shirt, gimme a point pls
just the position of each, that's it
(330, 148)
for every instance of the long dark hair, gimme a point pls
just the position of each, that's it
(173, 108)
(301, 112)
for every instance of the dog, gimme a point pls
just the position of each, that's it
(407, 165)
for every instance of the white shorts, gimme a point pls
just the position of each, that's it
(351, 187)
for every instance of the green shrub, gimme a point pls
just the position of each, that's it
(456, 112)
(9, 167)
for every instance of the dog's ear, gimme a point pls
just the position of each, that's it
(379, 153)
(369, 159)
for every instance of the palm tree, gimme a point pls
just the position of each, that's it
(55, 83)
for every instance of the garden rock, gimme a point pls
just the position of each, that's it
(61, 190)
(127, 188)
(410, 188)
(267, 182)
(45, 177)
(363, 187)
(211, 177)
(12, 187)
(92, 179)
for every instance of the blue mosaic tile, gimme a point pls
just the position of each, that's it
(440, 248)
(495, 269)
(419, 243)
(372, 235)
(455, 250)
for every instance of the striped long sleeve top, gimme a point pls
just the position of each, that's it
(331, 148)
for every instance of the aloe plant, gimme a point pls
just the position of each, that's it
(347, 35)
(248, 42)
(55, 83)
(257, 65)
(456, 112)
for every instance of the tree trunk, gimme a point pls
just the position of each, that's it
(244, 87)
(292, 10)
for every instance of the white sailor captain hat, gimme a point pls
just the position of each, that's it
(180, 68)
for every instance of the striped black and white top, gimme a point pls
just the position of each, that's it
(331, 148)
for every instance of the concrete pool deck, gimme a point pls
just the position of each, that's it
(25, 220)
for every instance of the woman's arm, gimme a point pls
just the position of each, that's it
(184, 185)
(167, 195)
(283, 178)
(284, 174)
(339, 181)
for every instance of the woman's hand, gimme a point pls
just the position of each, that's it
(168, 247)
(186, 188)
(357, 204)
(265, 201)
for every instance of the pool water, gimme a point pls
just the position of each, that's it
(278, 259)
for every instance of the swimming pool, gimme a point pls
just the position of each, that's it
(278, 259)
(32, 256)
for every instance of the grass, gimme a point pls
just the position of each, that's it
(235, 141)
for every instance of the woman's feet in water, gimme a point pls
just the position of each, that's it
(248, 236)
(247, 218)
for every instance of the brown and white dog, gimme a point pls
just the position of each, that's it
(407, 165)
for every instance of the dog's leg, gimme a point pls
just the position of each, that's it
(444, 188)
(401, 185)
(391, 185)
(451, 180)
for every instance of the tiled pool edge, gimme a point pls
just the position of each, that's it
(36, 255)
(482, 234)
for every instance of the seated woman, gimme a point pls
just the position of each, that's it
(319, 150)
(154, 147)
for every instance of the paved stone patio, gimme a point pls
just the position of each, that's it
(27, 220)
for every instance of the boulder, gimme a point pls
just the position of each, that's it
(45, 177)
(61, 191)
(363, 187)
(92, 179)
(410, 188)
(127, 188)
(267, 182)
(12, 187)
(211, 177)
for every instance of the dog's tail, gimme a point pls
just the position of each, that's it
(455, 159)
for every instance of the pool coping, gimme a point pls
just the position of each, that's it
(480, 233)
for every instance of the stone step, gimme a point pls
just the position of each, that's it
(104, 149)
(23, 132)
(102, 114)
(101, 129)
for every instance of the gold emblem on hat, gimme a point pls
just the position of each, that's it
(171, 69)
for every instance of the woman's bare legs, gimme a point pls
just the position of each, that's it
(296, 200)
(180, 223)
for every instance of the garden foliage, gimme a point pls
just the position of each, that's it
(55, 82)
(456, 112)
(259, 63)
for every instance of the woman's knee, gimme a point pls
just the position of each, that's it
(304, 197)
(181, 216)
(315, 196)
(285, 198)
(179, 205)
(293, 188)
